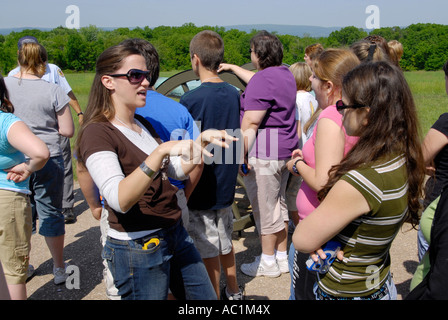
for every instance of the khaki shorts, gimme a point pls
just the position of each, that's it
(211, 231)
(266, 190)
(15, 235)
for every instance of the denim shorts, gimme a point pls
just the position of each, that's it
(172, 261)
(47, 185)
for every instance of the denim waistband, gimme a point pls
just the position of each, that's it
(156, 234)
(377, 295)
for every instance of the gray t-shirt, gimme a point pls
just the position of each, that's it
(36, 103)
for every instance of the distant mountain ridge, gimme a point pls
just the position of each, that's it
(5, 31)
(295, 30)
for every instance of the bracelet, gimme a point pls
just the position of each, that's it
(80, 113)
(147, 170)
(294, 167)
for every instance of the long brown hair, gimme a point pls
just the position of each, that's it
(393, 126)
(100, 107)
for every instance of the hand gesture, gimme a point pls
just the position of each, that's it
(18, 173)
(217, 137)
(225, 67)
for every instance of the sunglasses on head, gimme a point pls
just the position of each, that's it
(341, 106)
(134, 76)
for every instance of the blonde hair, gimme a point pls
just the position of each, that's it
(302, 73)
(332, 65)
(32, 57)
(367, 51)
(396, 48)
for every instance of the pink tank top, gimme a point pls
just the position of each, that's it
(306, 197)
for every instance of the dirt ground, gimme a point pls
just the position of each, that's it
(83, 250)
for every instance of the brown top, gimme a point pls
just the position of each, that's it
(158, 207)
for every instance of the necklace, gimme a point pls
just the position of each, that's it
(130, 128)
(209, 79)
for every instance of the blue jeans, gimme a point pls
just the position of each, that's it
(291, 256)
(146, 274)
(46, 187)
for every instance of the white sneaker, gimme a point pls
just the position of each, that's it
(260, 268)
(60, 275)
(283, 265)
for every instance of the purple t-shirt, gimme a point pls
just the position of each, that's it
(273, 89)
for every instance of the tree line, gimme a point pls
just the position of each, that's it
(425, 45)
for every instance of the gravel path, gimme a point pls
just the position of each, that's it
(83, 250)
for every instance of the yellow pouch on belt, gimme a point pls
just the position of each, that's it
(151, 243)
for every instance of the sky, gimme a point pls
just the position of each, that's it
(153, 13)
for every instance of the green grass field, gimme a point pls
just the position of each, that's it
(428, 89)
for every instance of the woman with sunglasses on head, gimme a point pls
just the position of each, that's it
(44, 107)
(374, 189)
(326, 148)
(130, 166)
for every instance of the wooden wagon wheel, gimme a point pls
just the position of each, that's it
(242, 214)
(183, 78)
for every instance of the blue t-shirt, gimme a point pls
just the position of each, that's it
(9, 156)
(170, 119)
(215, 106)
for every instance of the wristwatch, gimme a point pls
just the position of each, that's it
(294, 167)
(147, 170)
(81, 113)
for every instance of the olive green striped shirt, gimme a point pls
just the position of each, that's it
(366, 241)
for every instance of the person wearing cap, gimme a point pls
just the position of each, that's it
(55, 75)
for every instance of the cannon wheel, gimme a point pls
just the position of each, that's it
(182, 79)
(243, 218)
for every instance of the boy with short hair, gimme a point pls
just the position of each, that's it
(214, 104)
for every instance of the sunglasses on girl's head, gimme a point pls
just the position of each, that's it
(341, 106)
(134, 76)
